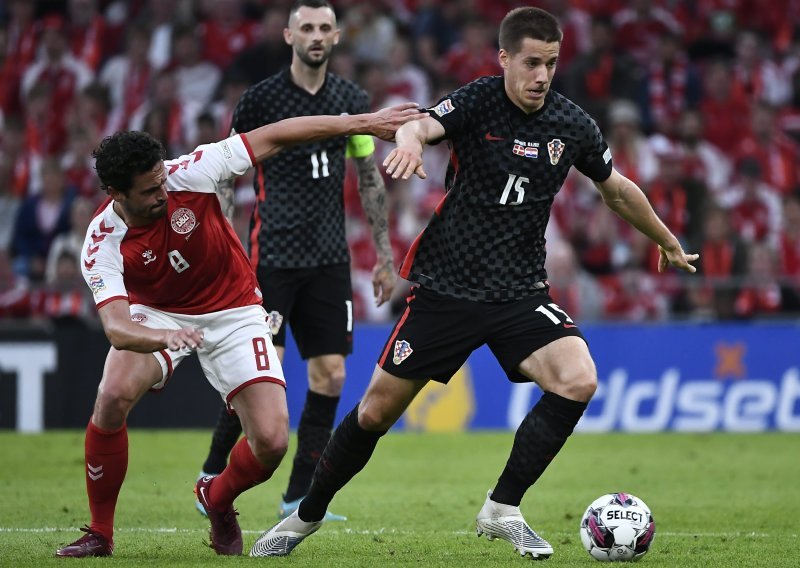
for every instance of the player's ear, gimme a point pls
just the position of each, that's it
(502, 57)
(336, 36)
(115, 194)
(287, 36)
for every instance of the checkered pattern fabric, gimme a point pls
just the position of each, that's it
(485, 241)
(299, 213)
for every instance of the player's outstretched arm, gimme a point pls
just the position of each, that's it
(130, 336)
(628, 201)
(272, 138)
(406, 158)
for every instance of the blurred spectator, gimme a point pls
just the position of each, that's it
(436, 29)
(630, 151)
(40, 219)
(704, 164)
(78, 164)
(81, 212)
(601, 75)
(267, 56)
(90, 37)
(632, 295)
(789, 241)
(775, 151)
(224, 31)
(639, 27)
(20, 41)
(369, 31)
(723, 258)
(9, 203)
(755, 206)
(710, 27)
(668, 195)
(94, 112)
(178, 118)
(571, 287)
(61, 76)
(761, 294)
(196, 78)
(127, 76)
(474, 55)
(758, 78)
(725, 110)
(21, 157)
(159, 17)
(405, 79)
(207, 130)
(233, 85)
(671, 85)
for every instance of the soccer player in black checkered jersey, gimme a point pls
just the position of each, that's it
(298, 240)
(479, 270)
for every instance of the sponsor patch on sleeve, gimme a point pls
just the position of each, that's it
(226, 150)
(444, 107)
(607, 155)
(96, 284)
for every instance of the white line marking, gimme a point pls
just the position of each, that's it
(176, 530)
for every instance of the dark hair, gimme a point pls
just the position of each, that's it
(309, 4)
(533, 23)
(124, 155)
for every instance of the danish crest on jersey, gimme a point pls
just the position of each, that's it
(183, 221)
(444, 107)
(402, 350)
(138, 318)
(555, 148)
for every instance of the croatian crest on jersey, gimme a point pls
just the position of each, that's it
(274, 321)
(555, 148)
(401, 351)
(183, 221)
(444, 107)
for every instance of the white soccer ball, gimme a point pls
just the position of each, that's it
(617, 527)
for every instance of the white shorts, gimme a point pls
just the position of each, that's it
(237, 347)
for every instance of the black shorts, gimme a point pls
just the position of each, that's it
(435, 334)
(316, 302)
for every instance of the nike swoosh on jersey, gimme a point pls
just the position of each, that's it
(492, 138)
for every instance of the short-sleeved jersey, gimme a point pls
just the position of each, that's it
(298, 219)
(188, 262)
(485, 240)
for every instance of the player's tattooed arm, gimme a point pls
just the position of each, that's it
(372, 191)
(225, 194)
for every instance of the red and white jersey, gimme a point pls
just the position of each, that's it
(188, 262)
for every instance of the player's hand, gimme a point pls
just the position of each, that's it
(383, 280)
(677, 258)
(385, 122)
(402, 162)
(186, 338)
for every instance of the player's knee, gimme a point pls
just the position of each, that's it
(327, 378)
(112, 405)
(580, 384)
(269, 448)
(372, 418)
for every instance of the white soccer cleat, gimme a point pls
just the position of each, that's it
(281, 539)
(497, 520)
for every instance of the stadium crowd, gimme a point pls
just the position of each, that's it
(699, 101)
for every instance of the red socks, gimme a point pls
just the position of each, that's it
(243, 472)
(106, 465)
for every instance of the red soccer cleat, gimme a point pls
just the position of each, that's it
(225, 534)
(90, 544)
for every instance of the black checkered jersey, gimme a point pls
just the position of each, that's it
(298, 219)
(485, 240)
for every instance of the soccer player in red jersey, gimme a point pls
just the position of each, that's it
(169, 276)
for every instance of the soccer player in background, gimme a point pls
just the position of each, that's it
(298, 243)
(479, 274)
(169, 276)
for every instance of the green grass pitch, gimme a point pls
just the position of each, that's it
(721, 500)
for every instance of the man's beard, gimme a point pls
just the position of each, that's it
(314, 63)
